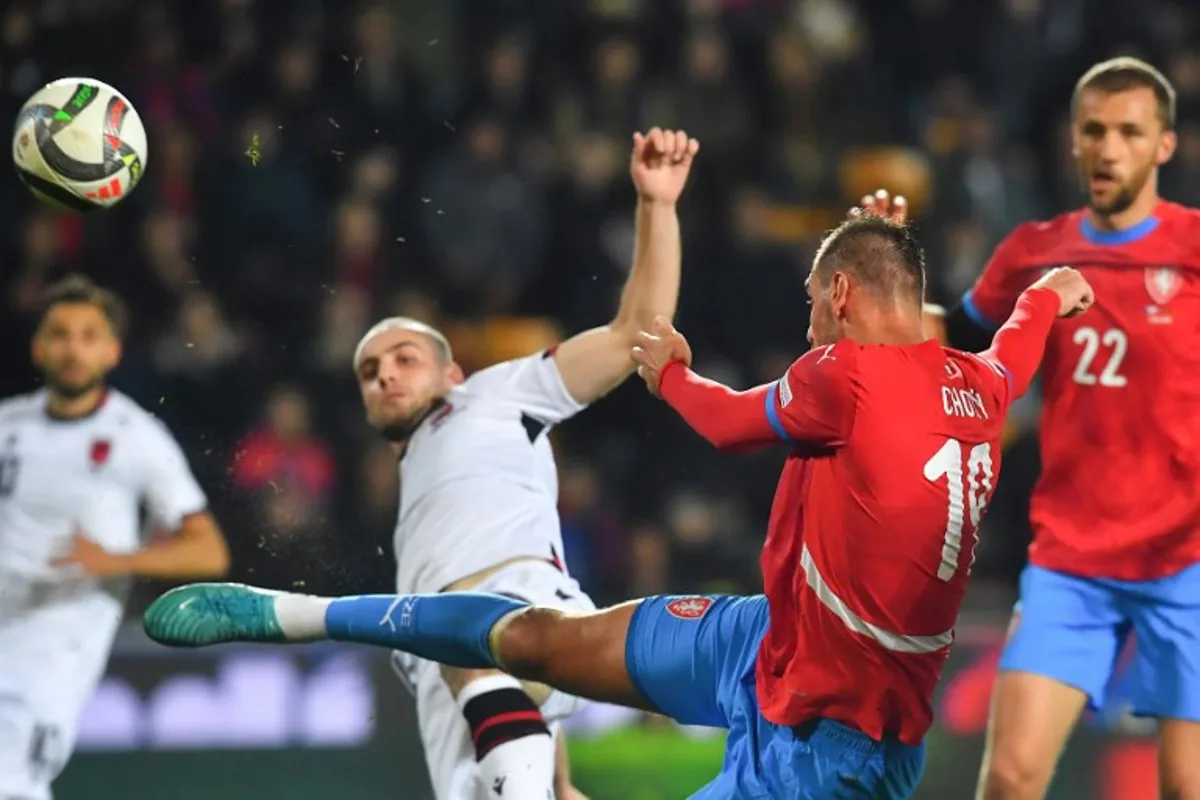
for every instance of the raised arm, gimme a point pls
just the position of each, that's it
(1021, 341)
(595, 362)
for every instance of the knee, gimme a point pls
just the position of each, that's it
(526, 645)
(1179, 784)
(1013, 775)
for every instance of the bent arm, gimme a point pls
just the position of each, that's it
(1020, 343)
(727, 419)
(595, 362)
(197, 550)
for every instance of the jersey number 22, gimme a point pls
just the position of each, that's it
(967, 494)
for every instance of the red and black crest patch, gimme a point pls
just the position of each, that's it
(101, 450)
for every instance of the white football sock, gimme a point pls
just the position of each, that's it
(513, 746)
(301, 616)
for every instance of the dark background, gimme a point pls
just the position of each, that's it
(316, 164)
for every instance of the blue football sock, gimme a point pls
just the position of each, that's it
(451, 628)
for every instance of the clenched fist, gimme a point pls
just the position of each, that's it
(1074, 292)
(660, 163)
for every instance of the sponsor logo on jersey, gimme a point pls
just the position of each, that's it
(1162, 284)
(101, 450)
(689, 607)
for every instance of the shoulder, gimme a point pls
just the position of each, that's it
(830, 358)
(1181, 226)
(826, 366)
(127, 413)
(22, 406)
(975, 363)
(506, 371)
(533, 379)
(1033, 239)
(1181, 215)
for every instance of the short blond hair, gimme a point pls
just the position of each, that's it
(440, 343)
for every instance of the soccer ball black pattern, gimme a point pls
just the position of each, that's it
(79, 145)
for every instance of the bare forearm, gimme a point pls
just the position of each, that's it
(595, 362)
(652, 288)
(196, 551)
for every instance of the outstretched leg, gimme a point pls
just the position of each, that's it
(582, 654)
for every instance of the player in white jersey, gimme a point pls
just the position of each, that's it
(79, 464)
(479, 491)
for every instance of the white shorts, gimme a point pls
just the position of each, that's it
(449, 751)
(51, 659)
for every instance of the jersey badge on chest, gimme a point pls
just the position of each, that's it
(99, 453)
(1162, 284)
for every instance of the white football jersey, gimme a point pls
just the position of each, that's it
(478, 483)
(96, 475)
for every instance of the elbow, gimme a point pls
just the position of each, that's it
(626, 327)
(722, 439)
(724, 443)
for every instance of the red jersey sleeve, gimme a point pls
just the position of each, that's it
(1019, 345)
(814, 403)
(726, 418)
(989, 302)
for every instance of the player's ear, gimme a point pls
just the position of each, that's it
(1166, 147)
(454, 373)
(839, 293)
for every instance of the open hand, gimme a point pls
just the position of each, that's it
(658, 348)
(660, 163)
(1074, 292)
(882, 204)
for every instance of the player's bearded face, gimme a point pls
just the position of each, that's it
(401, 378)
(74, 349)
(1119, 142)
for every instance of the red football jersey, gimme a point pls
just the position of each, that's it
(1119, 493)
(895, 457)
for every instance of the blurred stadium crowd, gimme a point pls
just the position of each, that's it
(315, 164)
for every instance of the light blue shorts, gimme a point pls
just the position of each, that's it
(1073, 629)
(694, 659)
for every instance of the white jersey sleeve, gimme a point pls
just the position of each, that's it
(532, 384)
(168, 485)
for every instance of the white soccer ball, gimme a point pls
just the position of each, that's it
(79, 145)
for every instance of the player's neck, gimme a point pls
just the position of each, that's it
(1141, 208)
(887, 327)
(69, 408)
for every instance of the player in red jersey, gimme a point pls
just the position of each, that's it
(825, 683)
(1116, 512)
